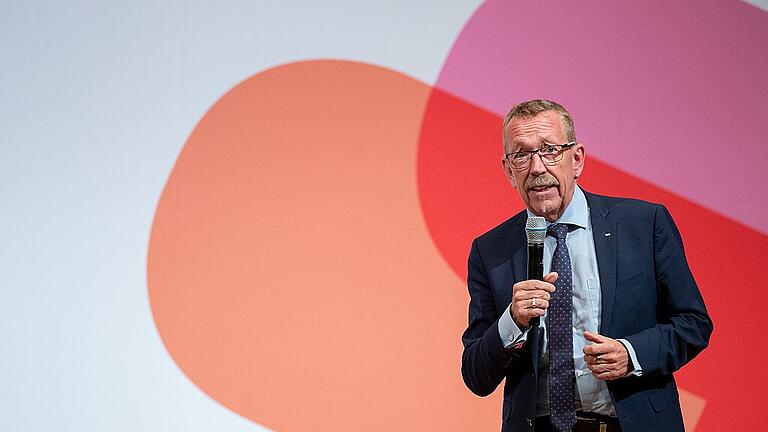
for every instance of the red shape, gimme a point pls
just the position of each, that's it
(462, 187)
(464, 193)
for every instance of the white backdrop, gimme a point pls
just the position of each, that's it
(97, 99)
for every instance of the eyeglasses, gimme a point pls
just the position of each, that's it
(550, 154)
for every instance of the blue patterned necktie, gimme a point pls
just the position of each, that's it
(559, 326)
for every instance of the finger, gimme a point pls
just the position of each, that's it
(593, 359)
(596, 349)
(529, 314)
(534, 297)
(603, 368)
(604, 376)
(532, 285)
(540, 294)
(595, 337)
(551, 277)
(537, 286)
(540, 304)
(596, 368)
(608, 375)
(523, 314)
(529, 294)
(605, 359)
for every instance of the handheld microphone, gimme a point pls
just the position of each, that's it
(535, 232)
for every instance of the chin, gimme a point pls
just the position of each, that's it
(546, 208)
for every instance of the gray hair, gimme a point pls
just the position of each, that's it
(534, 107)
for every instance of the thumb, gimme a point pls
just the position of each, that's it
(551, 277)
(594, 337)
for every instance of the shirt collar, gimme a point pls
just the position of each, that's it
(577, 212)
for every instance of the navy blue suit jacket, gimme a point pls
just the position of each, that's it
(649, 298)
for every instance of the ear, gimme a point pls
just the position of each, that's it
(508, 172)
(578, 158)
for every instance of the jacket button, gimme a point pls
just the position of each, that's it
(530, 422)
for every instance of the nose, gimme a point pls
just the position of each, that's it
(537, 165)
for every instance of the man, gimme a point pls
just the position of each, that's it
(620, 310)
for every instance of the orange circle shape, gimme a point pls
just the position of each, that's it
(291, 275)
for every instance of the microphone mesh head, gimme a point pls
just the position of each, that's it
(536, 229)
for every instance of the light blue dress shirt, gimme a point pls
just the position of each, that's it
(591, 394)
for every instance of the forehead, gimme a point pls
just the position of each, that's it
(534, 130)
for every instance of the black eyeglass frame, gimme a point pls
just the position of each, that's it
(558, 156)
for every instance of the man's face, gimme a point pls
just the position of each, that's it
(546, 189)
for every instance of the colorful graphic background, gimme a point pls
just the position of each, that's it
(305, 257)
(308, 253)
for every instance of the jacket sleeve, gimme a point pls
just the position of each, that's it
(484, 361)
(684, 327)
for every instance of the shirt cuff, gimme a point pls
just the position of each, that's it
(509, 332)
(638, 370)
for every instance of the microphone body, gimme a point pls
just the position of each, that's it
(535, 232)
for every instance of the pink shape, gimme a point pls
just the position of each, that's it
(672, 92)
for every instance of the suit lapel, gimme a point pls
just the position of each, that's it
(605, 238)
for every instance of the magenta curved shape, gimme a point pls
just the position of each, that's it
(675, 92)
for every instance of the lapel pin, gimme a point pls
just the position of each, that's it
(607, 234)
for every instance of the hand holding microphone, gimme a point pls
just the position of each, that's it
(530, 298)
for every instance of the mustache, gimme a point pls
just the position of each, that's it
(545, 180)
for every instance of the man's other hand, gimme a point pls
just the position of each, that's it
(607, 358)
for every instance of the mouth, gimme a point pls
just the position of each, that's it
(541, 189)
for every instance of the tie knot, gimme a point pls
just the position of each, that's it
(558, 231)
